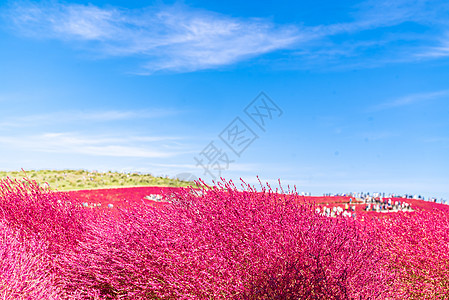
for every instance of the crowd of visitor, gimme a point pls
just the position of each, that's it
(385, 204)
(375, 202)
(348, 211)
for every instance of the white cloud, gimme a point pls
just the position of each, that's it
(63, 21)
(410, 99)
(442, 50)
(92, 145)
(84, 116)
(386, 12)
(417, 32)
(174, 38)
(179, 38)
(436, 139)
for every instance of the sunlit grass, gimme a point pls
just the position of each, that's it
(64, 180)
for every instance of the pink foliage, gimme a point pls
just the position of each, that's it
(41, 213)
(215, 243)
(25, 270)
(222, 243)
(417, 246)
(38, 227)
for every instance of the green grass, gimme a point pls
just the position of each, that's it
(81, 179)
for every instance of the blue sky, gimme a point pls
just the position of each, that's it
(361, 88)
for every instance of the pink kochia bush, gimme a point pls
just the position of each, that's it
(215, 243)
(41, 213)
(37, 228)
(417, 245)
(221, 243)
(25, 270)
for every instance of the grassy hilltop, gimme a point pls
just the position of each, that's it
(82, 179)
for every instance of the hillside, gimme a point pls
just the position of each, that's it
(64, 180)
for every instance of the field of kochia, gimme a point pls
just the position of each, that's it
(215, 242)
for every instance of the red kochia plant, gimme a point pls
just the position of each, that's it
(222, 243)
(41, 213)
(417, 245)
(38, 228)
(215, 243)
(25, 270)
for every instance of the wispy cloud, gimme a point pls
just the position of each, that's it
(84, 116)
(438, 51)
(174, 38)
(409, 99)
(179, 38)
(382, 32)
(387, 13)
(72, 143)
(436, 139)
